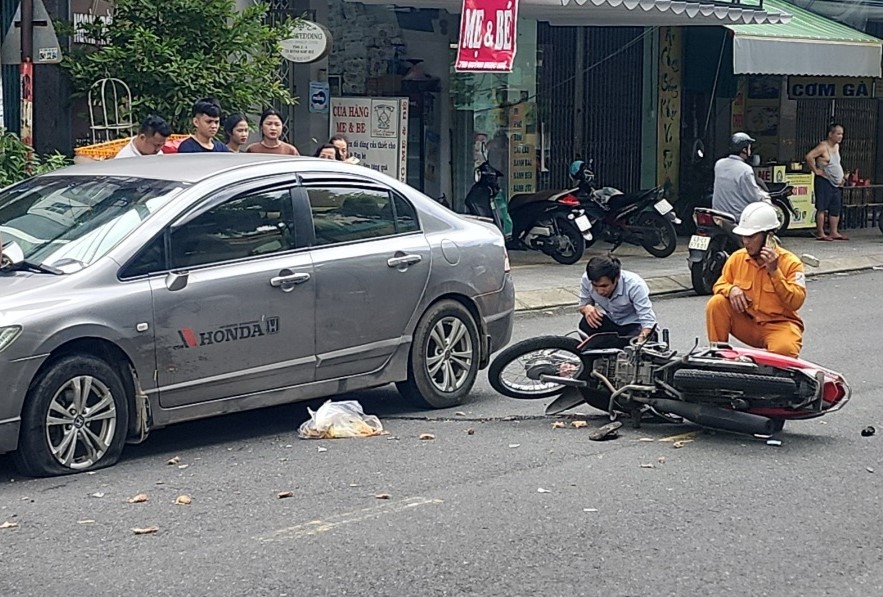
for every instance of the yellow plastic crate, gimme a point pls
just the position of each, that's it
(109, 149)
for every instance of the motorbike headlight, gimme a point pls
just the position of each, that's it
(8, 335)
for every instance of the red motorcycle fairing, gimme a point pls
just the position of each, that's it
(835, 392)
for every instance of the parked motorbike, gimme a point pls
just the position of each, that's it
(714, 240)
(643, 218)
(553, 222)
(734, 389)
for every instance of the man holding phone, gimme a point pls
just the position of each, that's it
(760, 290)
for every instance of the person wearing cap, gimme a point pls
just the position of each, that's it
(735, 185)
(760, 290)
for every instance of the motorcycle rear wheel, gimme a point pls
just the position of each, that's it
(749, 383)
(553, 355)
(659, 236)
(577, 244)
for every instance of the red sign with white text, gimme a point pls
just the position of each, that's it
(487, 36)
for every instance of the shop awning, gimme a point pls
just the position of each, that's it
(808, 44)
(631, 13)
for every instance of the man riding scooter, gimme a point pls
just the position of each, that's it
(735, 185)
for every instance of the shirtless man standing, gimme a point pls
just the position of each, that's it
(824, 161)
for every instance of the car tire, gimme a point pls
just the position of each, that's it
(96, 432)
(430, 365)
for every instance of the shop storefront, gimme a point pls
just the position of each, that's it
(784, 85)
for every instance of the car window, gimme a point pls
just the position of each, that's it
(247, 226)
(346, 214)
(151, 259)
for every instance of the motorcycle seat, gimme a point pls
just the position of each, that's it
(617, 202)
(715, 212)
(547, 195)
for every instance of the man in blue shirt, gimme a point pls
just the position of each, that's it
(206, 121)
(614, 302)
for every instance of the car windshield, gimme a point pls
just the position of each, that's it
(71, 222)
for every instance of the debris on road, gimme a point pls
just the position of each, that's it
(183, 500)
(470, 431)
(661, 460)
(284, 494)
(8, 525)
(339, 419)
(514, 445)
(541, 490)
(646, 439)
(321, 449)
(98, 494)
(558, 425)
(605, 432)
(182, 466)
(138, 499)
(773, 442)
(578, 424)
(425, 437)
(459, 413)
(383, 496)
(173, 461)
(868, 431)
(870, 469)
(648, 465)
(681, 443)
(87, 521)
(145, 530)
(590, 509)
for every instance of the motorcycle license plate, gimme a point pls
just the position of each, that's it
(583, 223)
(663, 206)
(699, 242)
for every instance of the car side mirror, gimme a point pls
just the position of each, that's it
(11, 255)
(176, 281)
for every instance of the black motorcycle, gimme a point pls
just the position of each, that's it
(553, 222)
(714, 240)
(643, 218)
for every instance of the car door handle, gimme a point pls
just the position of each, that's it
(404, 260)
(288, 280)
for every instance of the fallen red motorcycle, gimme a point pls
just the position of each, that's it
(742, 390)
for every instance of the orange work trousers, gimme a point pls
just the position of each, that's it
(721, 321)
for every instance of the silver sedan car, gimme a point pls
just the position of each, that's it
(141, 292)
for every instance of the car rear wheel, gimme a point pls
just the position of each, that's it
(444, 358)
(74, 418)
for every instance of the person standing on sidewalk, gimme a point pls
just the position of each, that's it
(824, 161)
(206, 122)
(152, 135)
(271, 126)
(614, 302)
(761, 289)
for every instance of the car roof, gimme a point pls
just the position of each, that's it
(187, 168)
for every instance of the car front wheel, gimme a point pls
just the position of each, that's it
(444, 357)
(74, 418)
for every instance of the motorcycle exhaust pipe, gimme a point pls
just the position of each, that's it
(717, 418)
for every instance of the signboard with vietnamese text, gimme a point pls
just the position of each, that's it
(830, 88)
(487, 36)
(377, 131)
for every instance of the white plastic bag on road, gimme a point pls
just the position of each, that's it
(339, 419)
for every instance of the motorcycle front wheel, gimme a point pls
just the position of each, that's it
(515, 372)
(784, 216)
(570, 242)
(658, 235)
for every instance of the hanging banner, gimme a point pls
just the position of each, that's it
(487, 36)
(377, 131)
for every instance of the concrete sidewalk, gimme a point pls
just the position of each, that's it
(541, 282)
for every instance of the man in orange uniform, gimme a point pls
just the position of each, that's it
(762, 286)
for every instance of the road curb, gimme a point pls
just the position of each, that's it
(547, 298)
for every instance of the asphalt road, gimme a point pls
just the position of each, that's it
(515, 508)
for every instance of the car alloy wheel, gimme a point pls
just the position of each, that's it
(81, 422)
(449, 354)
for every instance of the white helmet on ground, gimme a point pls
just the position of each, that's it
(759, 216)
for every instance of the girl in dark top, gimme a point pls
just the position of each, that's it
(236, 130)
(271, 131)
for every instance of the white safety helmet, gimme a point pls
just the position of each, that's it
(759, 216)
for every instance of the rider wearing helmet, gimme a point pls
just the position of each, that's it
(760, 290)
(735, 186)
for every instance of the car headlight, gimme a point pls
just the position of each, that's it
(8, 335)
